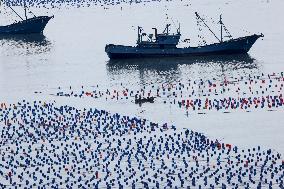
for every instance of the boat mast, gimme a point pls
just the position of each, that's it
(178, 30)
(197, 15)
(138, 35)
(221, 23)
(156, 33)
(25, 7)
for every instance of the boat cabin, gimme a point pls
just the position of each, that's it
(161, 41)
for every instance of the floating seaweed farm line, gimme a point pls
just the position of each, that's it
(197, 96)
(200, 85)
(110, 145)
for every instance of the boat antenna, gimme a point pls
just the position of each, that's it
(15, 12)
(197, 15)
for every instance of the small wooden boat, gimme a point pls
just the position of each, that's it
(144, 100)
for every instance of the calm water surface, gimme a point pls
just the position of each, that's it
(71, 53)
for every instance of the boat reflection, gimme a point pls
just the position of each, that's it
(170, 69)
(30, 38)
(26, 44)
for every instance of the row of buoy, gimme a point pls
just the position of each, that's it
(75, 3)
(231, 103)
(47, 145)
(199, 88)
(200, 96)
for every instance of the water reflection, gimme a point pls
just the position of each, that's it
(25, 44)
(163, 70)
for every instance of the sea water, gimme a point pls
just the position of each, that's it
(70, 55)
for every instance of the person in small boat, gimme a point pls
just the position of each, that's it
(141, 100)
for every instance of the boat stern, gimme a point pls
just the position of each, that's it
(108, 49)
(120, 51)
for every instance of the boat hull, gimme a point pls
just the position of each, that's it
(29, 26)
(234, 46)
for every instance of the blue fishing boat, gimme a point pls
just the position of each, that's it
(25, 26)
(165, 45)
